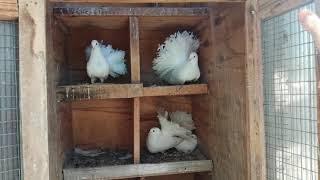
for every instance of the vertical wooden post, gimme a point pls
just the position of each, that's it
(135, 78)
(33, 90)
(255, 143)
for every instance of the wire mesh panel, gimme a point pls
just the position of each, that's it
(9, 111)
(290, 107)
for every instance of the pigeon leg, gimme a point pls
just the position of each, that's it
(93, 80)
(102, 80)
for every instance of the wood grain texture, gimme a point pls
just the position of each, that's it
(8, 9)
(175, 90)
(172, 177)
(255, 137)
(129, 11)
(169, 24)
(142, 1)
(34, 94)
(138, 170)
(109, 22)
(268, 9)
(136, 130)
(103, 124)
(134, 49)
(220, 116)
(98, 91)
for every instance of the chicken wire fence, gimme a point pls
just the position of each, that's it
(290, 101)
(9, 102)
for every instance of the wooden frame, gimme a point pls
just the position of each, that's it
(35, 118)
(140, 170)
(41, 91)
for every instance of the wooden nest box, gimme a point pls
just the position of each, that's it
(117, 115)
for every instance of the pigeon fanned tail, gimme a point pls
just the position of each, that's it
(174, 52)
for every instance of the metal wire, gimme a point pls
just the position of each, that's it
(10, 161)
(290, 107)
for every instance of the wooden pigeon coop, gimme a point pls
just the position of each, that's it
(117, 115)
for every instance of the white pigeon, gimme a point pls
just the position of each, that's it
(177, 59)
(188, 144)
(159, 141)
(184, 119)
(97, 66)
(169, 127)
(104, 60)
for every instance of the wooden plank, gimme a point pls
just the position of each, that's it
(103, 124)
(143, 1)
(8, 9)
(220, 116)
(129, 11)
(172, 177)
(98, 91)
(136, 130)
(277, 7)
(134, 49)
(139, 170)
(178, 90)
(255, 136)
(34, 90)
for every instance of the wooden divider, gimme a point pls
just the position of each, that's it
(135, 78)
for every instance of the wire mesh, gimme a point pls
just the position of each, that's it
(290, 107)
(9, 102)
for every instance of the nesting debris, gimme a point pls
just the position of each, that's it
(103, 158)
(171, 155)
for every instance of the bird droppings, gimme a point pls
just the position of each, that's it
(124, 157)
(171, 155)
(108, 158)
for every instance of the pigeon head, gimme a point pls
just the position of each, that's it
(155, 130)
(94, 43)
(193, 57)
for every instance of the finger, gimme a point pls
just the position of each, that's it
(311, 22)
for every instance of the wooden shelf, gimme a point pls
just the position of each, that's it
(98, 91)
(177, 90)
(111, 91)
(138, 170)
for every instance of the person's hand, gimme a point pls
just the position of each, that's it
(311, 23)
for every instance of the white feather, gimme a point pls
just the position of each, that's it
(184, 119)
(175, 61)
(114, 58)
(188, 144)
(169, 127)
(159, 141)
(97, 66)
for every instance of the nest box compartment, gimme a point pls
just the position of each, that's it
(78, 33)
(116, 116)
(153, 31)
